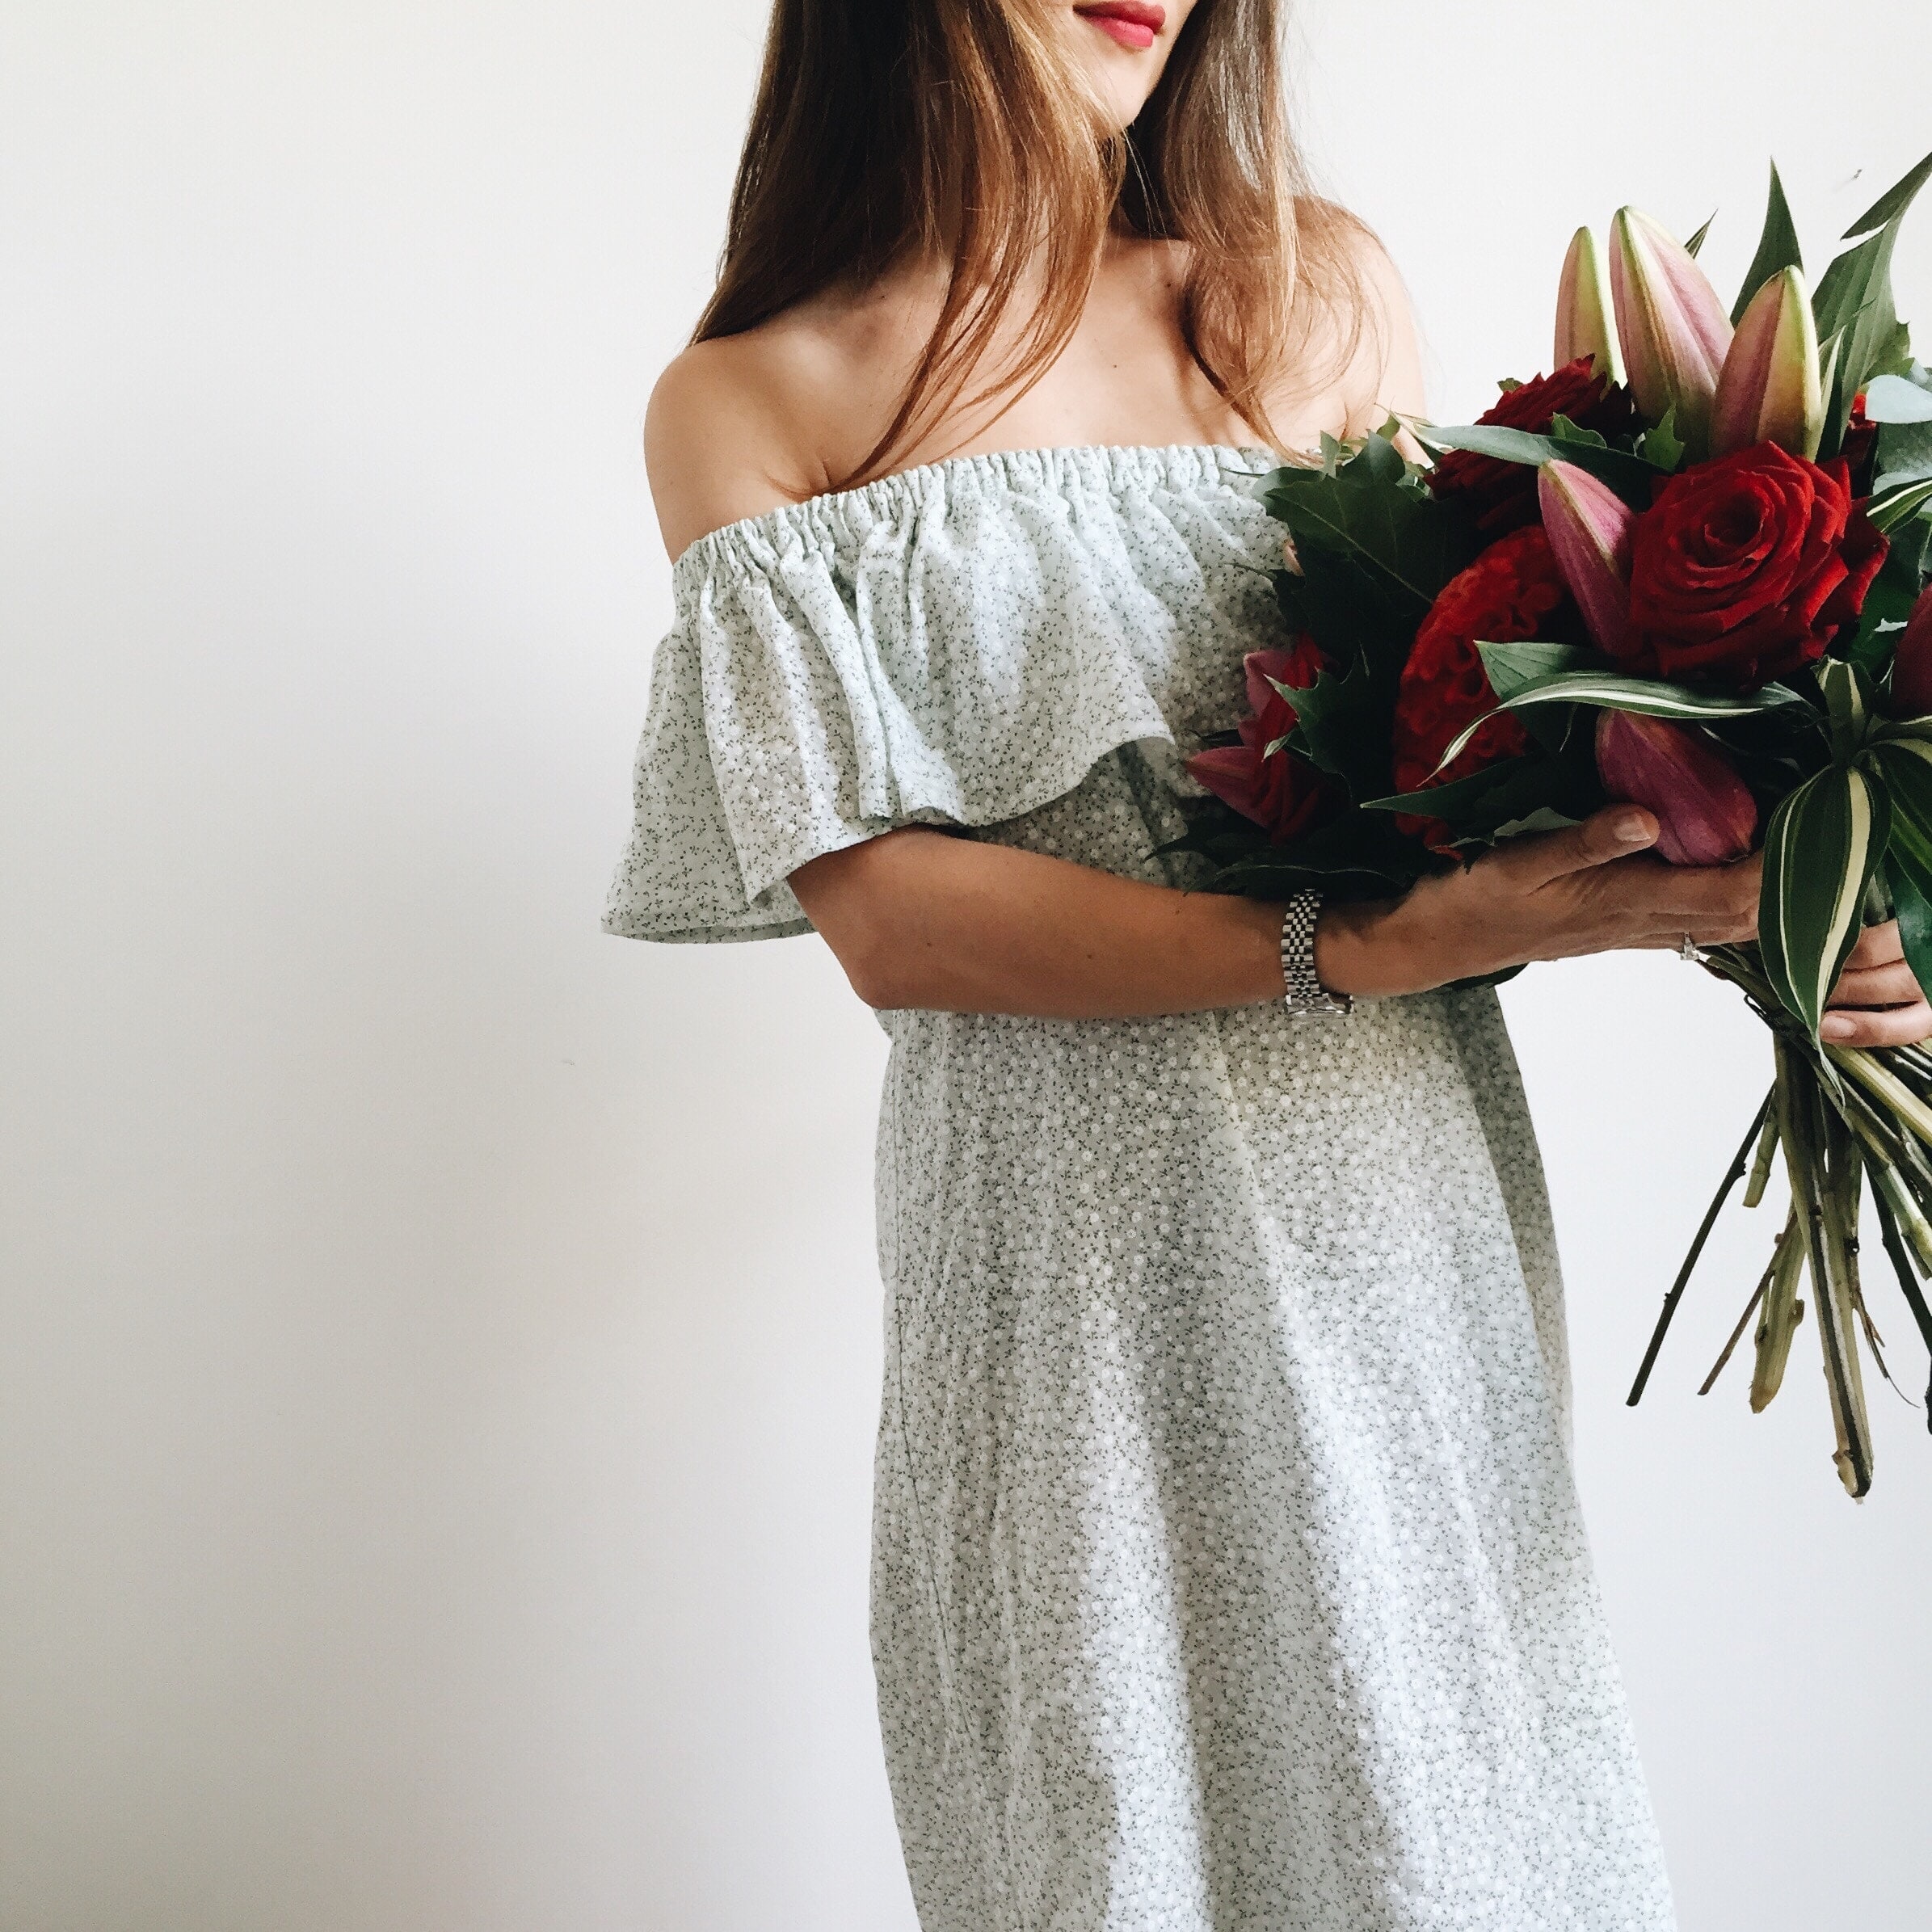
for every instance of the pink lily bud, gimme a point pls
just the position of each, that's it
(1589, 526)
(1673, 327)
(1912, 666)
(1706, 814)
(1769, 389)
(1586, 325)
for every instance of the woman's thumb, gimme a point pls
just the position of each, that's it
(1614, 833)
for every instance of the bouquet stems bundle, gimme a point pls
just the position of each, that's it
(1690, 568)
(1840, 1117)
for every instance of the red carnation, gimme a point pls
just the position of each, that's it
(1861, 436)
(1746, 568)
(1284, 794)
(1502, 496)
(1511, 592)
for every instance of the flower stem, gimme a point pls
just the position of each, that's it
(1731, 1177)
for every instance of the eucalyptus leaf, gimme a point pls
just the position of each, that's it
(1892, 399)
(1825, 842)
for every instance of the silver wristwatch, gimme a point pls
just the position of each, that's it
(1306, 993)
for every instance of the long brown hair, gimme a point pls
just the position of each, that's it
(952, 129)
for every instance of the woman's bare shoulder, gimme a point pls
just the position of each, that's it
(1384, 376)
(743, 424)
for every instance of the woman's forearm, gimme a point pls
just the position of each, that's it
(923, 919)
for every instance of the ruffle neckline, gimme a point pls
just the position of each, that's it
(837, 516)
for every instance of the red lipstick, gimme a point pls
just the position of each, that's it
(1132, 23)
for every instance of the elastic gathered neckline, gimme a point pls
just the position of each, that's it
(854, 513)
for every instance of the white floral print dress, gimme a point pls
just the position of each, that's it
(1228, 1572)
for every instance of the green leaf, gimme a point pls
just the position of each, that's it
(1906, 766)
(1904, 453)
(1895, 353)
(1357, 856)
(1777, 248)
(1373, 511)
(1822, 846)
(1374, 549)
(1911, 885)
(1513, 666)
(1854, 298)
(1477, 808)
(1453, 801)
(1649, 697)
(1871, 645)
(1904, 760)
(1629, 475)
(1695, 246)
(1892, 399)
(1890, 509)
(1892, 204)
(1546, 818)
(1847, 705)
(1563, 429)
(1342, 725)
(1662, 445)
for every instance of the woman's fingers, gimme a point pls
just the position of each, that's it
(1878, 945)
(1715, 904)
(1887, 1026)
(1893, 985)
(1602, 838)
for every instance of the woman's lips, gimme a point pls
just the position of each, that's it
(1134, 23)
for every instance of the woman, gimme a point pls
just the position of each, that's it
(1227, 1569)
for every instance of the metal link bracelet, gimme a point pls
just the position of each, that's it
(1306, 993)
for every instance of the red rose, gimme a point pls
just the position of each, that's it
(1503, 495)
(1746, 568)
(1284, 795)
(1510, 592)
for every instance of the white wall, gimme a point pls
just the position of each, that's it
(440, 1341)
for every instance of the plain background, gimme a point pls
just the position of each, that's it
(441, 1341)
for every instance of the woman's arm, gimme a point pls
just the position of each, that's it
(920, 918)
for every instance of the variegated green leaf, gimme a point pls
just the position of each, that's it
(1821, 849)
(1649, 697)
(1890, 509)
(1903, 765)
(1847, 705)
(1911, 883)
(1512, 667)
(1907, 728)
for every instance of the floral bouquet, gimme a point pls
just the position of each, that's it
(1687, 570)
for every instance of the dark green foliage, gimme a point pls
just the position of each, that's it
(1854, 302)
(1777, 248)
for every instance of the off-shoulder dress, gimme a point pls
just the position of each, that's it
(1228, 1570)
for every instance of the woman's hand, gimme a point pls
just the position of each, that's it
(1593, 888)
(1877, 1001)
